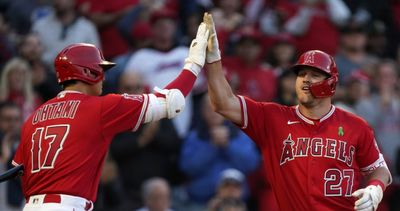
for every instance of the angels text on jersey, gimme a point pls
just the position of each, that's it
(317, 147)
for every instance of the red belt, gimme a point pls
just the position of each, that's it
(56, 198)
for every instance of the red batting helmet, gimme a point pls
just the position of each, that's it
(81, 61)
(326, 64)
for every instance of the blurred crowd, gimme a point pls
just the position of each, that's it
(199, 161)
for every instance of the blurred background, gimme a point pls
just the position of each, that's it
(199, 161)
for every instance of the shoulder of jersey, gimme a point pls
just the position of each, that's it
(350, 117)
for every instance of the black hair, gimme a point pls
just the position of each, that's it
(8, 104)
(68, 83)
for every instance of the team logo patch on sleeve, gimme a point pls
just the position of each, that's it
(133, 97)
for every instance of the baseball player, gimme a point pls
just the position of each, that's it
(315, 154)
(64, 142)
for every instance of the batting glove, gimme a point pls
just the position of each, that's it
(197, 50)
(213, 53)
(368, 198)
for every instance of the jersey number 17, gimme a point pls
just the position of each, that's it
(54, 136)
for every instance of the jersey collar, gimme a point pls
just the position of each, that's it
(63, 93)
(305, 119)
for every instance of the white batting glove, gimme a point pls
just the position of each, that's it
(368, 198)
(197, 51)
(213, 53)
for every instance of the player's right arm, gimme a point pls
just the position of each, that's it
(170, 101)
(222, 98)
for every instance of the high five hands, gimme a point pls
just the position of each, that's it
(204, 47)
(213, 53)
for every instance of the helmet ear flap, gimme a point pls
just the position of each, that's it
(325, 88)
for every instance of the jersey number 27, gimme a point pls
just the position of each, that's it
(338, 182)
(53, 136)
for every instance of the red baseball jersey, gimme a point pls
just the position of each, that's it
(64, 142)
(311, 165)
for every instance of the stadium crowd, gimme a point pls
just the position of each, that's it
(199, 161)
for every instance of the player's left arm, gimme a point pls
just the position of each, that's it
(170, 101)
(370, 196)
(380, 176)
(376, 172)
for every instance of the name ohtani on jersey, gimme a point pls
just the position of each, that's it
(63, 109)
(317, 147)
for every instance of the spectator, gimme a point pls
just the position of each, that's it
(368, 12)
(43, 78)
(286, 94)
(6, 42)
(21, 13)
(320, 15)
(152, 151)
(189, 29)
(110, 195)
(138, 34)
(253, 78)
(16, 86)
(10, 123)
(166, 61)
(352, 51)
(230, 205)
(228, 15)
(209, 149)
(228, 18)
(282, 54)
(105, 15)
(230, 188)
(156, 195)
(62, 27)
(382, 111)
(378, 42)
(139, 14)
(263, 196)
(11, 197)
(273, 15)
(132, 83)
(357, 89)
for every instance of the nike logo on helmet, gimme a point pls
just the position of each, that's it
(292, 122)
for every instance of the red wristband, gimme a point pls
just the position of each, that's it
(377, 183)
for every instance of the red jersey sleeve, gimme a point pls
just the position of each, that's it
(122, 112)
(368, 154)
(255, 116)
(17, 160)
(18, 157)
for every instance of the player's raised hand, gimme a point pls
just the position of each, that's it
(368, 198)
(197, 50)
(213, 53)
